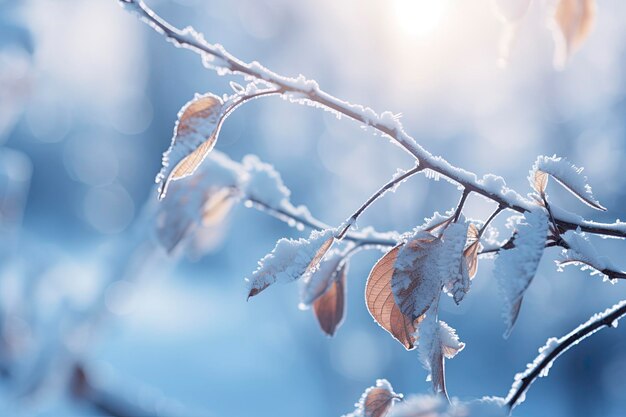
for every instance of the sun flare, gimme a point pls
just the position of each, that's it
(420, 18)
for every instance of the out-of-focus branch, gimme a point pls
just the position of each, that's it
(108, 403)
(302, 90)
(555, 348)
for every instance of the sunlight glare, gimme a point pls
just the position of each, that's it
(420, 18)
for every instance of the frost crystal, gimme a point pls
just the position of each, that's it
(515, 268)
(581, 252)
(554, 343)
(568, 175)
(290, 260)
(436, 406)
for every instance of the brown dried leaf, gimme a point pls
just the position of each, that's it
(472, 232)
(471, 258)
(574, 20)
(378, 401)
(382, 305)
(540, 182)
(195, 135)
(329, 309)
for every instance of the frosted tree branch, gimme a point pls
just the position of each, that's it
(305, 91)
(555, 347)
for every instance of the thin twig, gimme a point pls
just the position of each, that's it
(312, 223)
(306, 90)
(382, 190)
(459, 207)
(608, 319)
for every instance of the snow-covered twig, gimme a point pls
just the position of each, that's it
(305, 91)
(555, 347)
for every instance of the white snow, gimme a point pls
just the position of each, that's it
(553, 342)
(289, 260)
(568, 175)
(451, 263)
(582, 252)
(315, 285)
(515, 268)
(264, 184)
(436, 406)
(416, 280)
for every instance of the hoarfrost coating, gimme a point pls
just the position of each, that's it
(516, 267)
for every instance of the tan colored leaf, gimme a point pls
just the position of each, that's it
(573, 20)
(471, 258)
(472, 232)
(195, 134)
(541, 182)
(378, 401)
(382, 305)
(330, 307)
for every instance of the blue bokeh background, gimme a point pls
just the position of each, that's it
(88, 100)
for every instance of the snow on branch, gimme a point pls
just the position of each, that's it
(304, 91)
(555, 347)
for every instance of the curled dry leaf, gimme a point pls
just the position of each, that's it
(195, 134)
(290, 260)
(471, 252)
(565, 173)
(329, 308)
(378, 400)
(573, 22)
(382, 305)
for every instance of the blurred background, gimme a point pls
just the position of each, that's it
(88, 100)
